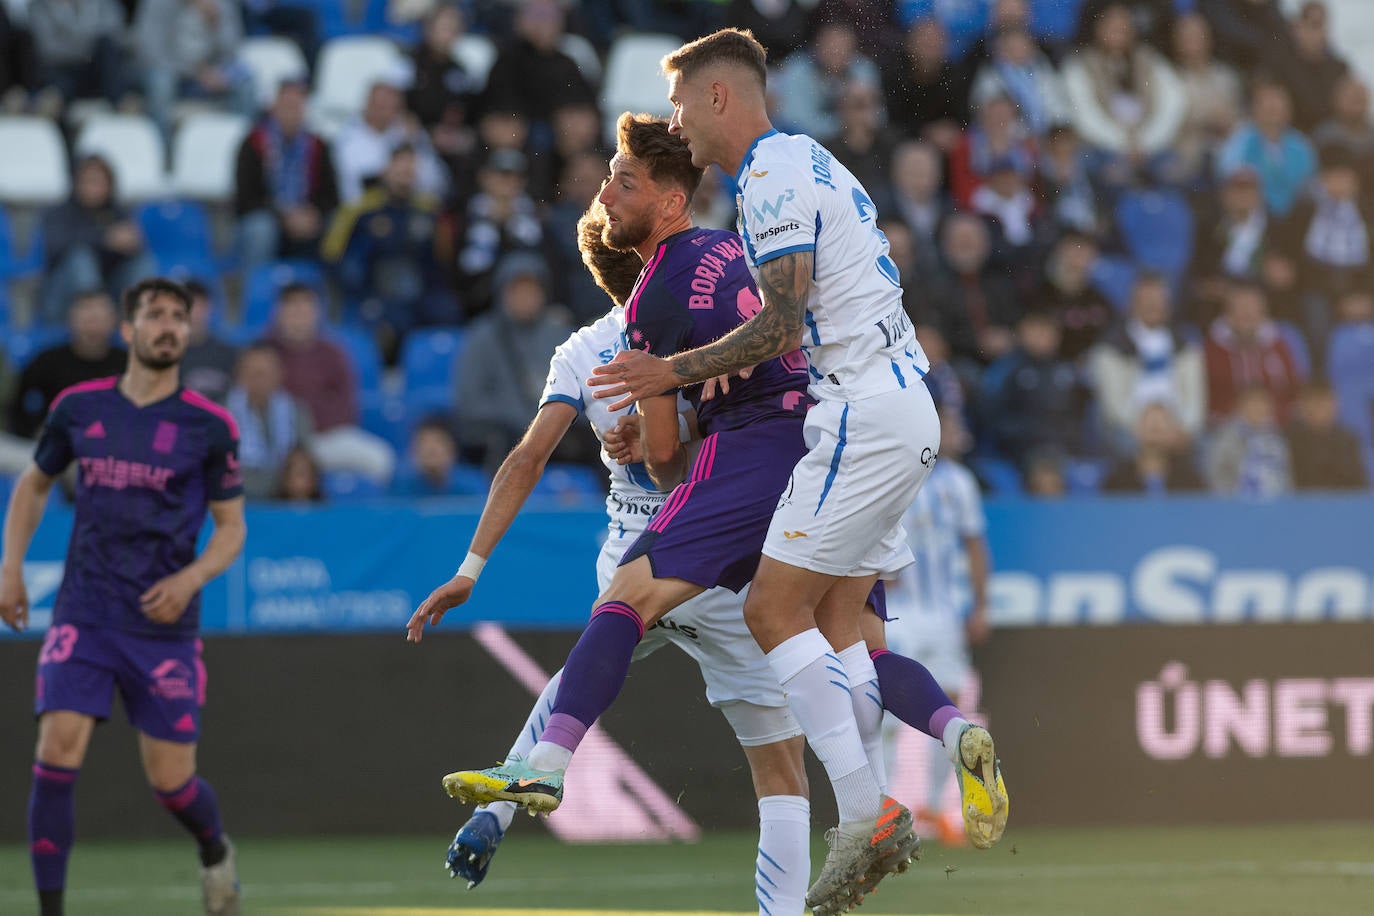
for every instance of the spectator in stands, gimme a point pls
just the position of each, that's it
(864, 144)
(90, 242)
(364, 146)
(89, 353)
(1325, 455)
(713, 205)
(1234, 241)
(811, 81)
(300, 478)
(320, 374)
(271, 422)
(997, 136)
(1022, 72)
(1269, 144)
(431, 467)
(1127, 101)
(1032, 399)
(18, 69)
(1252, 34)
(927, 95)
(1006, 198)
(1319, 69)
(1146, 360)
(1244, 350)
(572, 284)
(1065, 185)
(1356, 307)
(1066, 290)
(189, 49)
(382, 246)
(780, 25)
(576, 132)
(913, 262)
(285, 189)
(974, 303)
(501, 218)
(442, 91)
(946, 388)
(918, 198)
(1004, 15)
(505, 359)
(1043, 475)
(1333, 230)
(1213, 91)
(1350, 128)
(208, 366)
(1162, 462)
(532, 75)
(78, 45)
(1248, 455)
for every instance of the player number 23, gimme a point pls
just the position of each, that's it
(58, 644)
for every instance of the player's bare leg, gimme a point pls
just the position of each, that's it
(592, 678)
(170, 767)
(63, 738)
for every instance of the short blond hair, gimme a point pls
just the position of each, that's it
(727, 46)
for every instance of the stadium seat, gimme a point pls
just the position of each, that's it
(1157, 227)
(1113, 277)
(584, 55)
(36, 171)
(361, 348)
(476, 53)
(22, 344)
(204, 152)
(346, 70)
(1350, 367)
(178, 232)
(347, 485)
(262, 284)
(634, 81)
(14, 265)
(388, 416)
(570, 483)
(1297, 345)
(1055, 20)
(271, 59)
(999, 475)
(134, 149)
(429, 359)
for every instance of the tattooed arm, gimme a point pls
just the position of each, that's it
(785, 283)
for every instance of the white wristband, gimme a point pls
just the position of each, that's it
(472, 566)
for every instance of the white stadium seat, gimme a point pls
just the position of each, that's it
(476, 53)
(584, 55)
(133, 147)
(36, 170)
(634, 81)
(346, 70)
(203, 155)
(271, 59)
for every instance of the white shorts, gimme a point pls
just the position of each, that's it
(711, 629)
(935, 640)
(841, 513)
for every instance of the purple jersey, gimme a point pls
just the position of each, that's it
(144, 478)
(693, 291)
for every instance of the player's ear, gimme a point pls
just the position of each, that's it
(126, 332)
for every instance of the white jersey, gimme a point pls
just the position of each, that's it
(947, 509)
(795, 196)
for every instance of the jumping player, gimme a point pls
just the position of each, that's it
(710, 628)
(152, 457)
(811, 235)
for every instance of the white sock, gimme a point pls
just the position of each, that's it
(550, 757)
(868, 706)
(938, 771)
(950, 736)
(817, 691)
(525, 741)
(783, 866)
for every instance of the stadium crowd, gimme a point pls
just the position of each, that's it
(1135, 237)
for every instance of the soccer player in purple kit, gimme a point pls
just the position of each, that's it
(152, 458)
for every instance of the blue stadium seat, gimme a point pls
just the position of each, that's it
(1113, 277)
(999, 475)
(1297, 345)
(429, 359)
(964, 20)
(348, 485)
(388, 416)
(13, 265)
(22, 344)
(1350, 366)
(1055, 20)
(361, 348)
(263, 283)
(178, 233)
(1084, 476)
(1157, 227)
(570, 483)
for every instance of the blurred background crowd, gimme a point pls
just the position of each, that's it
(1135, 237)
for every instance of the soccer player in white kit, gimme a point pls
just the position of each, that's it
(827, 283)
(710, 628)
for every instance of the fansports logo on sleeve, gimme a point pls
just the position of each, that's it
(771, 231)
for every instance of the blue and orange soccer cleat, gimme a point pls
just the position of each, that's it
(470, 854)
(537, 791)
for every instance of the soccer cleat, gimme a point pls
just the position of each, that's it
(983, 795)
(473, 848)
(857, 862)
(219, 885)
(538, 791)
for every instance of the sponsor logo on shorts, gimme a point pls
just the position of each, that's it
(173, 680)
(673, 626)
(771, 231)
(928, 456)
(793, 535)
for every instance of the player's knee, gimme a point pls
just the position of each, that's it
(61, 742)
(168, 778)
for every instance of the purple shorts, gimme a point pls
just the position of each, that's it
(877, 599)
(161, 681)
(710, 531)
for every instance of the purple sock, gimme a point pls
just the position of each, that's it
(911, 694)
(196, 808)
(594, 672)
(52, 824)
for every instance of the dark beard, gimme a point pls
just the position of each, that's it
(624, 237)
(156, 363)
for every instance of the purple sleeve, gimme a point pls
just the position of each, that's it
(54, 450)
(658, 323)
(223, 480)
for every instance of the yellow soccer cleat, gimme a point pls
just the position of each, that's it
(513, 781)
(983, 795)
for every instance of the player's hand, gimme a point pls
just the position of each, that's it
(633, 374)
(166, 601)
(623, 443)
(14, 599)
(977, 627)
(449, 595)
(721, 384)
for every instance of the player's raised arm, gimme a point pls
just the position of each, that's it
(22, 516)
(512, 485)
